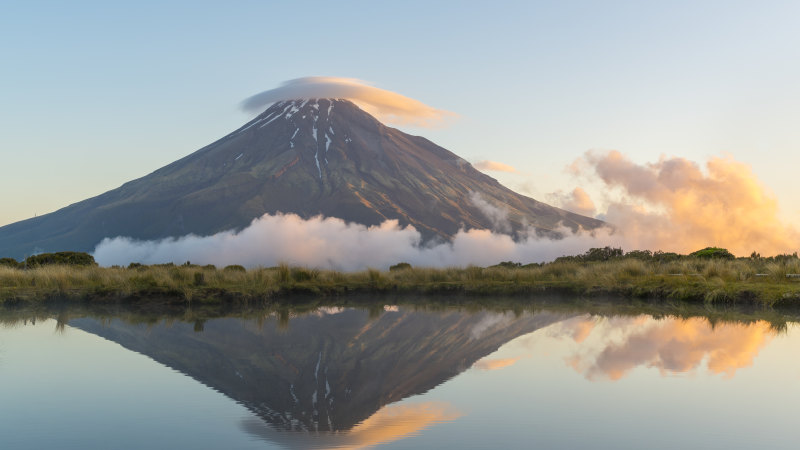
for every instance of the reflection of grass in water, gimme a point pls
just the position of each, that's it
(260, 313)
(706, 280)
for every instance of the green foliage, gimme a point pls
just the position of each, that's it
(645, 255)
(664, 257)
(199, 279)
(400, 266)
(712, 253)
(135, 265)
(62, 258)
(602, 254)
(784, 258)
(234, 268)
(508, 265)
(594, 255)
(9, 262)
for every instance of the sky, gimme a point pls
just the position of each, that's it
(95, 94)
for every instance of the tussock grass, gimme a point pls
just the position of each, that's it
(695, 279)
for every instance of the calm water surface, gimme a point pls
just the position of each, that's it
(401, 377)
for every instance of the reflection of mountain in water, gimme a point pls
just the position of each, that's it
(325, 371)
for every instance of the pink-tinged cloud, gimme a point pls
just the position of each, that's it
(677, 205)
(577, 201)
(494, 166)
(676, 346)
(576, 328)
(389, 424)
(494, 364)
(387, 106)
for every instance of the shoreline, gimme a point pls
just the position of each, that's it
(704, 281)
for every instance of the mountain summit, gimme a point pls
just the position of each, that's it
(308, 157)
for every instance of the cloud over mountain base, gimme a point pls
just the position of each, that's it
(333, 244)
(672, 205)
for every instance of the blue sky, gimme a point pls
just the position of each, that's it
(95, 94)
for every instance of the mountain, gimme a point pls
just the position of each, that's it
(307, 157)
(326, 371)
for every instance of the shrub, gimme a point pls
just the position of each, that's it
(9, 262)
(665, 256)
(234, 268)
(593, 254)
(640, 254)
(135, 265)
(199, 279)
(783, 258)
(602, 254)
(65, 258)
(400, 266)
(508, 265)
(712, 252)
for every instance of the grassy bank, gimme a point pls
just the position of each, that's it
(759, 280)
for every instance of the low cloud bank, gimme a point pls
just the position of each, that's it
(333, 244)
(387, 106)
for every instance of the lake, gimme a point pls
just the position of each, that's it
(409, 375)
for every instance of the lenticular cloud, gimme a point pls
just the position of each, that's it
(389, 107)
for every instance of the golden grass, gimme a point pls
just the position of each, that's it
(689, 279)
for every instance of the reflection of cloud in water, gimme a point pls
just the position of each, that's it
(391, 423)
(494, 364)
(672, 346)
(576, 328)
(491, 321)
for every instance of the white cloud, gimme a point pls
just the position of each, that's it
(332, 243)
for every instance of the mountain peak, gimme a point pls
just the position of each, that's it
(320, 156)
(310, 128)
